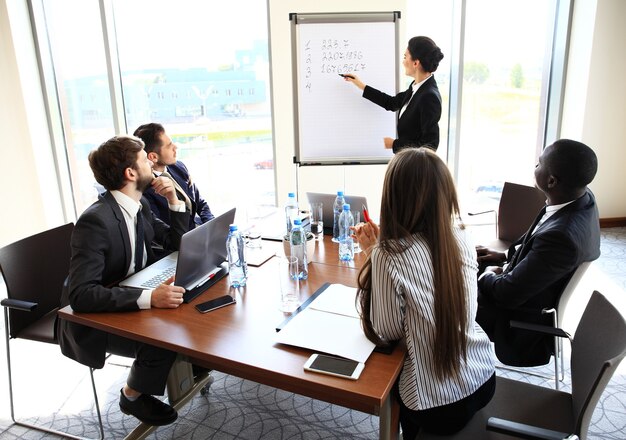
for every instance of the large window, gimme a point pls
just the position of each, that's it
(199, 68)
(506, 61)
(497, 109)
(80, 71)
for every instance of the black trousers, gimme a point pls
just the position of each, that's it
(446, 419)
(149, 371)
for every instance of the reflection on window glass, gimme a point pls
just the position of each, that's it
(201, 69)
(76, 44)
(506, 53)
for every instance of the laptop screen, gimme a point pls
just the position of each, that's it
(356, 204)
(202, 250)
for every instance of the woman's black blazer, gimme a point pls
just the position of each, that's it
(419, 124)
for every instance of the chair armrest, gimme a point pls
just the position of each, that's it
(481, 212)
(524, 431)
(544, 329)
(17, 304)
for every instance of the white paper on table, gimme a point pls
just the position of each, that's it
(337, 298)
(327, 332)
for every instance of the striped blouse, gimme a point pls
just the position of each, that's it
(403, 308)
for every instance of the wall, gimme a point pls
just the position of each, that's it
(356, 179)
(28, 187)
(595, 96)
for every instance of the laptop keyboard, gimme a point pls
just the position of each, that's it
(160, 278)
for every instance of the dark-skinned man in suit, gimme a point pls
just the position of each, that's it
(565, 234)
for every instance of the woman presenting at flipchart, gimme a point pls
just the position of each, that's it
(419, 107)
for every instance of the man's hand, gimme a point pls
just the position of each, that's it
(388, 143)
(495, 269)
(165, 187)
(167, 296)
(487, 255)
(366, 234)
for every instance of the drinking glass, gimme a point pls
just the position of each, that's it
(357, 219)
(254, 217)
(289, 284)
(317, 223)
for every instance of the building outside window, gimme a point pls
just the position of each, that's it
(174, 57)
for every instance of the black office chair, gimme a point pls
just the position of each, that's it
(34, 270)
(518, 207)
(523, 410)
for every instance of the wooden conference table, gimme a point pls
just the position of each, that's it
(239, 339)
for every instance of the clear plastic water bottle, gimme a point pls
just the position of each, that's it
(297, 245)
(346, 245)
(337, 207)
(291, 211)
(237, 267)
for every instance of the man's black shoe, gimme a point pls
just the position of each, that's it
(148, 410)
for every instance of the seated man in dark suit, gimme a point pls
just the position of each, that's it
(565, 234)
(162, 152)
(109, 244)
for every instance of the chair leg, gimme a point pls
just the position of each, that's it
(559, 369)
(95, 399)
(559, 363)
(557, 353)
(37, 427)
(6, 334)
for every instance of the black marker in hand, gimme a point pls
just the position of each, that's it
(345, 75)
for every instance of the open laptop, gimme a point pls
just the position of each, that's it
(356, 204)
(200, 258)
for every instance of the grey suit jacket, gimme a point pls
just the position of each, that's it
(535, 278)
(101, 253)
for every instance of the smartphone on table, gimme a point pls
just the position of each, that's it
(334, 366)
(216, 303)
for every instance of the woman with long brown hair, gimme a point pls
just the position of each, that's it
(419, 285)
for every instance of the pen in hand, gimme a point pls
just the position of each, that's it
(366, 215)
(345, 75)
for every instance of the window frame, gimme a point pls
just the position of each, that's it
(551, 107)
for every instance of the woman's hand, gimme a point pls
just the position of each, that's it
(366, 234)
(351, 77)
